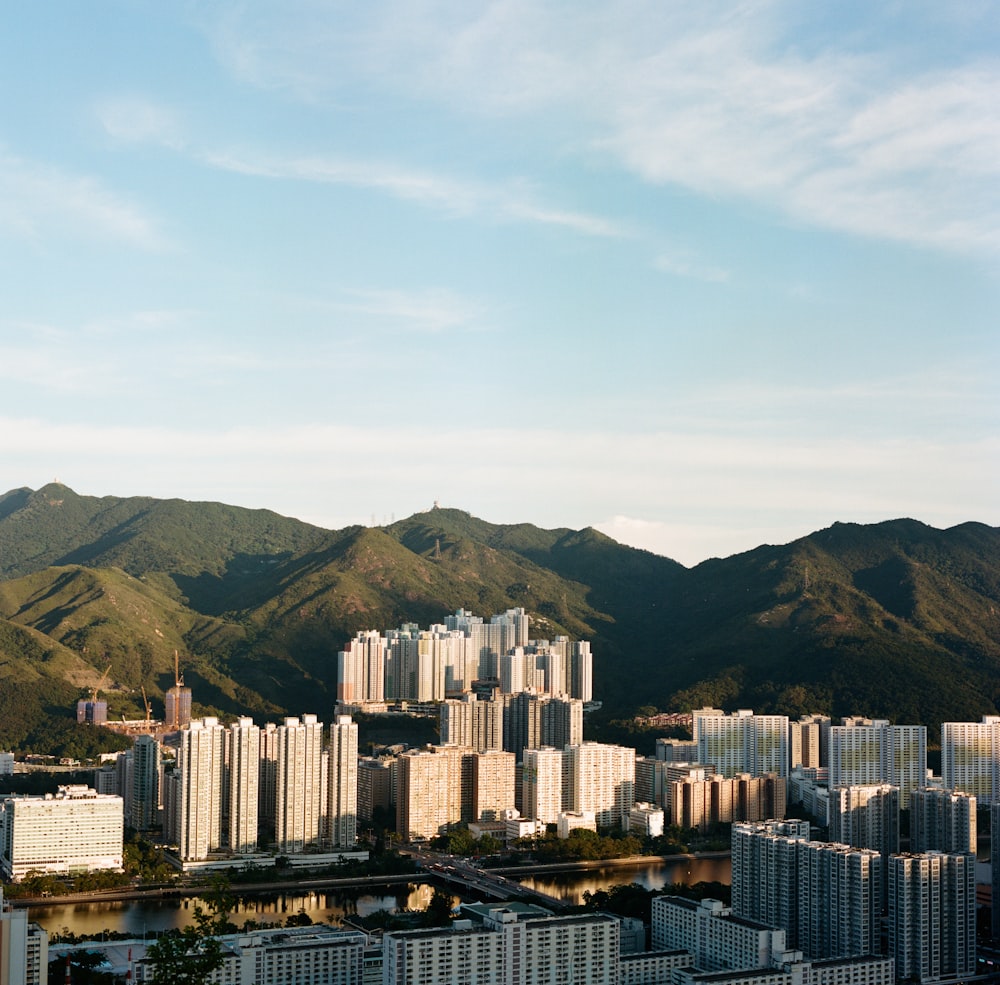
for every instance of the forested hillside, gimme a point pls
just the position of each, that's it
(895, 619)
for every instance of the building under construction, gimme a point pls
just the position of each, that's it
(90, 710)
(177, 711)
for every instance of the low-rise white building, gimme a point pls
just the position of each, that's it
(646, 821)
(575, 820)
(507, 948)
(644, 967)
(717, 940)
(72, 831)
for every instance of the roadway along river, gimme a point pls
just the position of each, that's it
(149, 916)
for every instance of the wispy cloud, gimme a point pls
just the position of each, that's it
(430, 311)
(682, 263)
(38, 201)
(840, 132)
(500, 201)
(137, 119)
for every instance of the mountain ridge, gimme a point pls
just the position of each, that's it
(896, 619)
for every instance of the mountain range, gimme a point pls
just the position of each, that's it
(895, 619)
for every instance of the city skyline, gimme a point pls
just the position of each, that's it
(280, 258)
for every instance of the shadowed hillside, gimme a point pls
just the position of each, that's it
(895, 619)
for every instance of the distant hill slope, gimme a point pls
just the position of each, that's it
(896, 619)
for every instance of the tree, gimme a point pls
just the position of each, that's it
(190, 956)
(438, 912)
(84, 966)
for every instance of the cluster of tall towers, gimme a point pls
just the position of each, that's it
(237, 787)
(828, 899)
(423, 665)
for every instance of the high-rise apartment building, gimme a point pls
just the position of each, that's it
(299, 785)
(542, 784)
(765, 872)
(492, 784)
(531, 721)
(866, 817)
(932, 916)
(995, 870)
(600, 780)
(342, 786)
(677, 750)
(243, 769)
(376, 785)
(446, 660)
(827, 897)
(839, 901)
(742, 742)
(201, 765)
(970, 758)
(866, 752)
(144, 804)
(361, 670)
(715, 937)
(267, 778)
(24, 948)
(472, 723)
(701, 798)
(943, 821)
(808, 741)
(434, 790)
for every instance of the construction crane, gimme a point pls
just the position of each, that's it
(100, 685)
(178, 680)
(149, 708)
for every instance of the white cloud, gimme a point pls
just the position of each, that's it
(38, 202)
(429, 311)
(682, 263)
(842, 130)
(135, 119)
(452, 195)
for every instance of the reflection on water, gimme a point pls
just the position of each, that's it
(571, 886)
(141, 918)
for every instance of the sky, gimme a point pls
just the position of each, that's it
(703, 276)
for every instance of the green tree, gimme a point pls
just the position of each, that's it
(190, 956)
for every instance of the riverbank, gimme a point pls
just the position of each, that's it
(249, 890)
(131, 893)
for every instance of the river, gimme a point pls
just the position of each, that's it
(148, 917)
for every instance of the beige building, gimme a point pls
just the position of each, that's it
(434, 784)
(492, 785)
(342, 785)
(300, 785)
(600, 779)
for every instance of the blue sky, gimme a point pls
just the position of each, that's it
(703, 276)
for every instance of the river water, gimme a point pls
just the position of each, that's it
(146, 918)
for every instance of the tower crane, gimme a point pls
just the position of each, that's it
(100, 684)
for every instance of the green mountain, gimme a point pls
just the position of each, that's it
(895, 619)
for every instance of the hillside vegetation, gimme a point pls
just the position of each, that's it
(895, 619)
